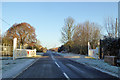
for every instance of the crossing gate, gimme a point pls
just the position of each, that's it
(19, 53)
(93, 52)
(31, 52)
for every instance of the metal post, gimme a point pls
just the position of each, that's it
(14, 47)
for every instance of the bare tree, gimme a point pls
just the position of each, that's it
(83, 33)
(67, 31)
(110, 26)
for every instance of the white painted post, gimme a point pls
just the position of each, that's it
(88, 48)
(35, 52)
(14, 47)
(98, 49)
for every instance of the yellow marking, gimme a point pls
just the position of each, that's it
(38, 56)
(71, 56)
(89, 57)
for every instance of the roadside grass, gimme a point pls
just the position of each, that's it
(95, 63)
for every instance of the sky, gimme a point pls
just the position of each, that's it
(48, 17)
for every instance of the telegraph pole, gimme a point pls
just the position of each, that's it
(116, 26)
(119, 19)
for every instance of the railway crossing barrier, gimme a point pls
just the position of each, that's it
(19, 53)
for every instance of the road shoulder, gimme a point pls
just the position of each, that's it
(11, 68)
(95, 63)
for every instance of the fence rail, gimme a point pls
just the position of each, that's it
(6, 50)
(19, 53)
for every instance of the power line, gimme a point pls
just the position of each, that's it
(5, 22)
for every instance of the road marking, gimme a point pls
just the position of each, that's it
(66, 76)
(76, 69)
(52, 57)
(59, 67)
(57, 64)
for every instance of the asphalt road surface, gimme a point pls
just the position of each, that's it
(54, 66)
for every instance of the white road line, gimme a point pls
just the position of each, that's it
(52, 57)
(57, 64)
(59, 67)
(66, 76)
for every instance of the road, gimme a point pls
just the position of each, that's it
(54, 66)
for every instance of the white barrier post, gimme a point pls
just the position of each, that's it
(14, 47)
(98, 49)
(88, 48)
(35, 52)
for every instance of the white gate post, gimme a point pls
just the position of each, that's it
(14, 46)
(88, 48)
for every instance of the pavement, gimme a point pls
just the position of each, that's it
(10, 68)
(53, 66)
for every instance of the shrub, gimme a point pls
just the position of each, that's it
(111, 46)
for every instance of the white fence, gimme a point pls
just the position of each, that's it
(93, 52)
(19, 53)
(5, 50)
(31, 52)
